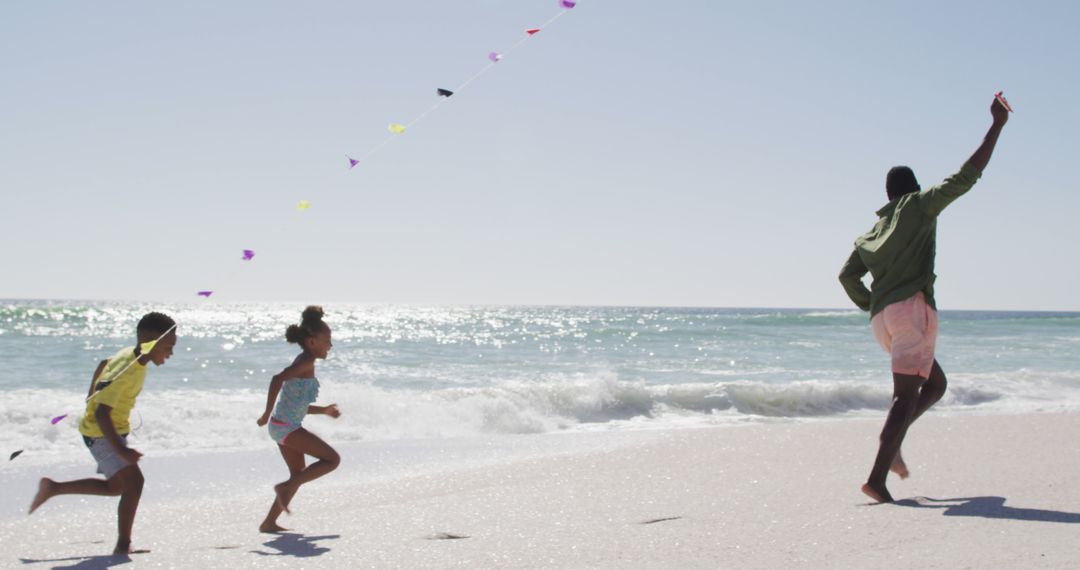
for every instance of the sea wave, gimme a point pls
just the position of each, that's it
(180, 421)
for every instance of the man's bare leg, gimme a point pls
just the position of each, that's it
(905, 397)
(932, 390)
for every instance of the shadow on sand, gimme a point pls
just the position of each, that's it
(295, 544)
(989, 508)
(83, 562)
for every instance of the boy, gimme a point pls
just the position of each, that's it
(899, 253)
(105, 426)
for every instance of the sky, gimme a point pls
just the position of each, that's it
(681, 153)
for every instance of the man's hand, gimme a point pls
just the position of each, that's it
(999, 112)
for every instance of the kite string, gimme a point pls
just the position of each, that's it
(386, 140)
(231, 275)
(129, 364)
(442, 100)
(91, 396)
(485, 69)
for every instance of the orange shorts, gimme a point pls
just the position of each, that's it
(908, 331)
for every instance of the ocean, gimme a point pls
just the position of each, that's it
(405, 372)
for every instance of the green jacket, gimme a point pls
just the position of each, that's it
(899, 251)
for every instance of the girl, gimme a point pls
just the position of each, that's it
(299, 388)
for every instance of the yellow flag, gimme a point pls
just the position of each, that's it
(396, 128)
(147, 346)
(303, 205)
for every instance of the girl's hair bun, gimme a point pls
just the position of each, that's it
(311, 323)
(294, 334)
(312, 313)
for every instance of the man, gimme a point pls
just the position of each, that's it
(899, 253)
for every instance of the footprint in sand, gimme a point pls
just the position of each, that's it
(660, 520)
(446, 536)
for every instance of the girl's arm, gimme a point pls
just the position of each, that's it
(331, 410)
(271, 397)
(297, 369)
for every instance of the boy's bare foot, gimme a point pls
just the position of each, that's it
(284, 492)
(877, 492)
(899, 467)
(45, 492)
(271, 527)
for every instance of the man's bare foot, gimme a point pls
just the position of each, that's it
(271, 527)
(877, 492)
(123, 548)
(44, 493)
(284, 492)
(899, 467)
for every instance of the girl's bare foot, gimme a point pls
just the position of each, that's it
(284, 492)
(45, 492)
(271, 527)
(899, 467)
(877, 492)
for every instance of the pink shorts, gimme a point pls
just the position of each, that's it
(908, 331)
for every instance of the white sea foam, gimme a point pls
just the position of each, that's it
(180, 421)
(851, 313)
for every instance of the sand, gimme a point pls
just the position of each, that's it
(985, 492)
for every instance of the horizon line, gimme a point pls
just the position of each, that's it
(538, 305)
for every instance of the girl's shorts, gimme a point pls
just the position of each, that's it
(279, 430)
(908, 331)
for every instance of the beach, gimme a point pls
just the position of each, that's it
(985, 491)
(561, 283)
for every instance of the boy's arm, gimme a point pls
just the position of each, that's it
(936, 198)
(104, 421)
(851, 278)
(97, 374)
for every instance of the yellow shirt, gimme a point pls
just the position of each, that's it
(116, 388)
